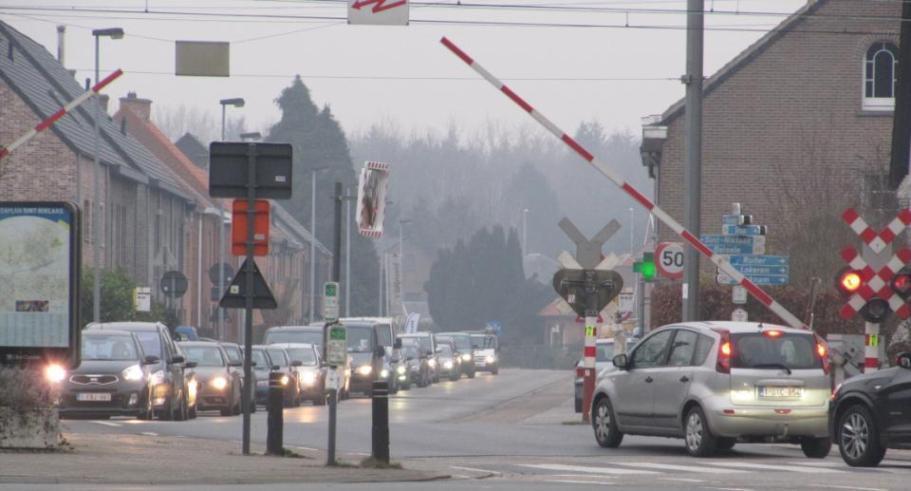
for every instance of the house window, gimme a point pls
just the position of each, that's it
(880, 74)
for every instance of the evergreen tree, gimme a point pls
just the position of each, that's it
(319, 143)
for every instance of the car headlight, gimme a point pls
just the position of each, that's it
(384, 373)
(447, 364)
(308, 378)
(432, 363)
(365, 370)
(218, 383)
(157, 378)
(284, 380)
(132, 373)
(193, 388)
(400, 370)
(54, 373)
(491, 358)
(466, 357)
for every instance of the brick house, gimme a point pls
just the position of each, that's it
(143, 205)
(801, 119)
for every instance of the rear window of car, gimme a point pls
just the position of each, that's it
(605, 352)
(762, 350)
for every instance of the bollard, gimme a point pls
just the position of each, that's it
(275, 407)
(381, 422)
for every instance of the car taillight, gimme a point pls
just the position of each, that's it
(822, 351)
(771, 334)
(725, 353)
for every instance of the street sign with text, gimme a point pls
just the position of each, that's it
(734, 244)
(743, 229)
(330, 301)
(758, 260)
(669, 258)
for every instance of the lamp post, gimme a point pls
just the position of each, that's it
(524, 232)
(632, 227)
(402, 224)
(235, 102)
(313, 239)
(113, 33)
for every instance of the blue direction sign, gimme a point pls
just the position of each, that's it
(759, 260)
(731, 219)
(743, 229)
(765, 280)
(733, 244)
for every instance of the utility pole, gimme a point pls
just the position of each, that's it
(901, 126)
(336, 274)
(348, 199)
(693, 176)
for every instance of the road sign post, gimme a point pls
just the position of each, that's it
(250, 171)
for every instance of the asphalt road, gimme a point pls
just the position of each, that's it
(517, 431)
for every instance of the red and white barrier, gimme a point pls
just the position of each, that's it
(617, 179)
(43, 125)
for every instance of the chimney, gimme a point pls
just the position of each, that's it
(140, 107)
(103, 99)
(61, 54)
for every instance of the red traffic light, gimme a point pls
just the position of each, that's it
(901, 282)
(849, 281)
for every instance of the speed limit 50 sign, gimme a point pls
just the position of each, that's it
(669, 259)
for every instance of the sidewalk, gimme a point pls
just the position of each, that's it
(139, 459)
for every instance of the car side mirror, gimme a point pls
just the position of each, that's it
(237, 363)
(379, 352)
(190, 364)
(297, 363)
(178, 359)
(904, 360)
(151, 360)
(397, 344)
(252, 363)
(621, 361)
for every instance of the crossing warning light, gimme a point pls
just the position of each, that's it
(849, 281)
(901, 283)
(646, 267)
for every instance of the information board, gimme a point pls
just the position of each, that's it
(39, 274)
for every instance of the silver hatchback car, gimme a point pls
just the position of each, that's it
(714, 383)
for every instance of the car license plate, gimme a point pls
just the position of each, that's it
(766, 392)
(93, 397)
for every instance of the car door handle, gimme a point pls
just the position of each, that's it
(649, 380)
(684, 379)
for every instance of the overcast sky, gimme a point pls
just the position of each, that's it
(402, 74)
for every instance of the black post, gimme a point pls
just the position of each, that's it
(276, 423)
(336, 274)
(381, 421)
(248, 318)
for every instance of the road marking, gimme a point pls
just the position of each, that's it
(847, 487)
(107, 423)
(769, 467)
(149, 433)
(573, 481)
(591, 470)
(683, 468)
(473, 469)
(681, 479)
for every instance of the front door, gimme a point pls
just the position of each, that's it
(897, 396)
(672, 383)
(635, 388)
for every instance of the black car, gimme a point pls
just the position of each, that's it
(418, 366)
(218, 384)
(462, 341)
(311, 371)
(872, 412)
(170, 392)
(282, 362)
(112, 380)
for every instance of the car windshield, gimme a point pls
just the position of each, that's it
(384, 333)
(605, 352)
(294, 336)
(359, 339)
(410, 351)
(277, 356)
(445, 350)
(303, 355)
(204, 356)
(151, 343)
(483, 341)
(234, 353)
(422, 341)
(119, 347)
(259, 357)
(463, 343)
(765, 350)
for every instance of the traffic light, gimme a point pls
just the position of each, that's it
(646, 267)
(848, 281)
(901, 283)
(876, 310)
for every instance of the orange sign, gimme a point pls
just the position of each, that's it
(260, 227)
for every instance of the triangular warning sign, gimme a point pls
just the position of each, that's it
(235, 295)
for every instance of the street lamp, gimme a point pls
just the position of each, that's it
(524, 232)
(234, 102)
(402, 224)
(632, 228)
(113, 33)
(313, 239)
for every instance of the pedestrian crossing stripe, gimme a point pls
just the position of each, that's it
(704, 467)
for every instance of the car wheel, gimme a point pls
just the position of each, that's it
(471, 374)
(605, 425)
(183, 410)
(858, 438)
(723, 443)
(226, 411)
(699, 439)
(495, 371)
(193, 413)
(167, 412)
(816, 448)
(148, 412)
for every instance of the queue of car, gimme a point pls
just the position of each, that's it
(139, 369)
